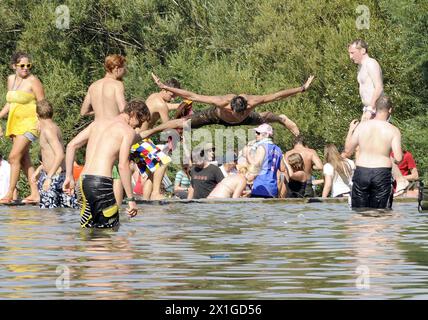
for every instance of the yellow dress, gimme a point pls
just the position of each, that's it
(22, 113)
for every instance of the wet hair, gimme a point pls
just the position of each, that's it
(296, 162)
(359, 44)
(44, 109)
(383, 103)
(299, 139)
(238, 104)
(174, 83)
(114, 60)
(17, 56)
(139, 109)
(340, 165)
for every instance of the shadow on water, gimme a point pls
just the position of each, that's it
(217, 251)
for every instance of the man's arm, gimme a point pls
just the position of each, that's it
(240, 189)
(351, 141)
(120, 96)
(125, 171)
(86, 108)
(317, 163)
(171, 124)
(396, 146)
(375, 73)
(254, 100)
(76, 143)
(218, 101)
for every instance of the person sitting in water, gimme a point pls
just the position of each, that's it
(233, 186)
(311, 160)
(268, 156)
(204, 176)
(410, 172)
(338, 173)
(297, 176)
(182, 182)
(229, 167)
(236, 110)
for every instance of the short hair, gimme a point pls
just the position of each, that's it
(17, 56)
(238, 104)
(44, 109)
(299, 139)
(139, 109)
(198, 155)
(383, 103)
(174, 83)
(359, 44)
(114, 60)
(296, 162)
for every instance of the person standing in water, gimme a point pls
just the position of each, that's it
(24, 90)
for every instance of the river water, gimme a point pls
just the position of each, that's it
(236, 250)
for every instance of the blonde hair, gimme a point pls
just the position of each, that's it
(340, 165)
(295, 161)
(248, 168)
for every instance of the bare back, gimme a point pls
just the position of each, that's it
(309, 156)
(106, 95)
(376, 139)
(157, 106)
(51, 143)
(227, 187)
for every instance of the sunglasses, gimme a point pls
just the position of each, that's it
(257, 133)
(22, 65)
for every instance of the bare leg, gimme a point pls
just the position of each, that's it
(118, 191)
(29, 171)
(19, 148)
(157, 181)
(148, 187)
(270, 117)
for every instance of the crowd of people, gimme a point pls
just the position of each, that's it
(260, 170)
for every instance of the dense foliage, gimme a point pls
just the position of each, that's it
(222, 46)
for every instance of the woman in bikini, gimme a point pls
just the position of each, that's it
(24, 90)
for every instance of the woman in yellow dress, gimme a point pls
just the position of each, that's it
(24, 89)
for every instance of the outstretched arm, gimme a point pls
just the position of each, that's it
(256, 100)
(218, 101)
(171, 124)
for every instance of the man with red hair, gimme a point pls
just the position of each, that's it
(106, 99)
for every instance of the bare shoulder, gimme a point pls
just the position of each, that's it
(372, 63)
(154, 101)
(34, 79)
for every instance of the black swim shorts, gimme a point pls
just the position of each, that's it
(99, 208)
(372, 188)
(209, 116)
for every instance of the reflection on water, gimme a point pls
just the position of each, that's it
(221, 251)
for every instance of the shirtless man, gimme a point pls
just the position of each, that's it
(52, 176)
(159, 106)
(372, 180)
(370, 82)
(106, 99)
(310, 159)
(236, 110)
(369, 77)
(106, 142)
